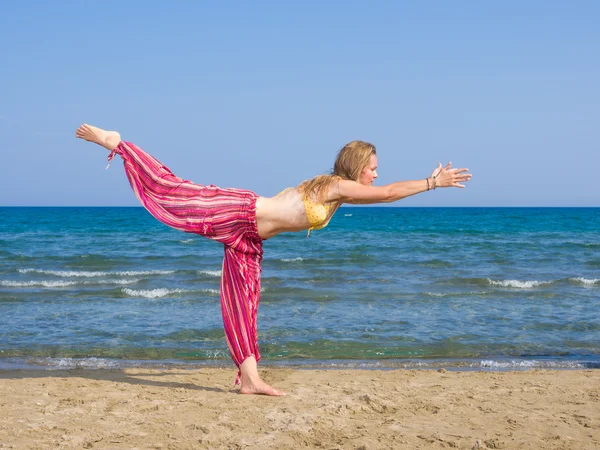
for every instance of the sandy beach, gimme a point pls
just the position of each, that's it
(190, 409)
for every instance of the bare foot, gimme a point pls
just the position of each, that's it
(251, 382)
(260, 388)
(107, 139)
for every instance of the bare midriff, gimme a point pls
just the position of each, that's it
(279, 214)
(282, 213)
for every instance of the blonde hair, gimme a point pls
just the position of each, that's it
(349, 163)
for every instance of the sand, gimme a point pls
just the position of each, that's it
(192, 409)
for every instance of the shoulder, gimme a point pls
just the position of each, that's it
(319, 188)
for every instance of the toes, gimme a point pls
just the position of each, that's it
(263, 390)
(274, 392)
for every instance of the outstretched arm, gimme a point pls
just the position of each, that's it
(352, 192)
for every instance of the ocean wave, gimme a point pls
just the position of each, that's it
(53, 283)
(187, 241)
(518, 284)
(585, 281)
(212, 357)
(60, 283)
(521, 284)
(292, 259)
(533, 364)
(163, 292)
(457, 365)
(91, 274)
(454, 294)
(212, 273)
(75, 363)
(153, 293)
(118, 282)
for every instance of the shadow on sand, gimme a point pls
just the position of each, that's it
(114, 375)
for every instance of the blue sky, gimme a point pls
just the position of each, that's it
(262, 95)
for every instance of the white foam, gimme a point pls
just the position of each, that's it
(187, 241)
(89, 274)
(59, 283)
(152, 293)
(512, 364)
(133, 273)
(506, 364)
(65, 273)
(162, 292)
(435, 294)
(347, 215)
(518, 284)
(586, 281)
(454, 294)
(77, 363)
(292, 259)
(50, 284)
(117, 282)
(212, 273)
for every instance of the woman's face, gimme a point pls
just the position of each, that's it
(369, 173)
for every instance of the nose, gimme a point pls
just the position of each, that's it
(374, 174)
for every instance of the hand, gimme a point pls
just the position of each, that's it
(448, 177)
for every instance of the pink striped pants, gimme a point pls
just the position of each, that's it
(224, 215)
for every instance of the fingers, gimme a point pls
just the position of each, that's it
(456, 180)
(458, 170)
(446, 168)
(457, 176)
(437, 170)
(451, 177)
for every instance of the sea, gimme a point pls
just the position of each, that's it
(379, 288)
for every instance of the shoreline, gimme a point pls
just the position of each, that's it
(489, 364)
(171, 408)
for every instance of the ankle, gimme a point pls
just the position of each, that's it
(250, 378)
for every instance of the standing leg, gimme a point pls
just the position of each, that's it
(240, 294)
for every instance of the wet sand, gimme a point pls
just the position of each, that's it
(324, 409)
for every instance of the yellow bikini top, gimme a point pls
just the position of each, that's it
(318, 214)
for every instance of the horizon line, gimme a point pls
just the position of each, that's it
(342, 206)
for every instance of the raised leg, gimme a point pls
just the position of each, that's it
(174, 201)
(107, 139)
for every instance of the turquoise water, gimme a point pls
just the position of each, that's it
(379, 287)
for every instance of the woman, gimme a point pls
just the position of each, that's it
(241, 220)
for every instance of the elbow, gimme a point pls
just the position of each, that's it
(389, 195)
(393, 194)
